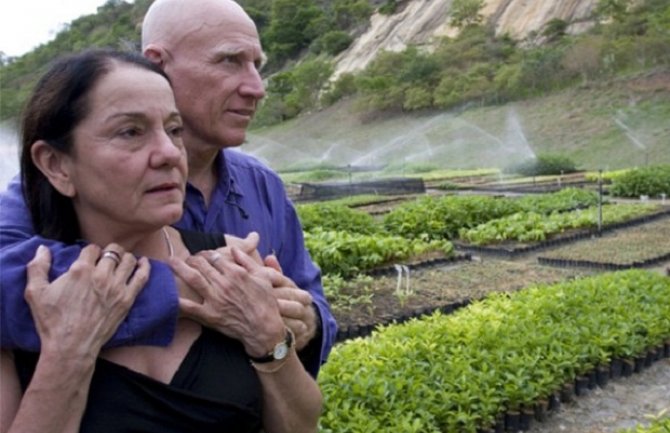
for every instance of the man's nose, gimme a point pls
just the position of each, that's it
(252, 83)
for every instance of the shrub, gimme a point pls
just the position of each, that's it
(333, 42)
(658, 425)
(456, 373)
(335, 217)
(651, 181)
(543, 165)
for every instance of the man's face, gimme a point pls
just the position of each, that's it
(217, 85)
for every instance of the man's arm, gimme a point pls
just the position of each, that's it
(297, 264)
(151, 320)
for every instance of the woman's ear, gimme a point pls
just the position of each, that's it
(55, 166)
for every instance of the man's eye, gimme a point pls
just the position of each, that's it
(176, 131)
(229, 59)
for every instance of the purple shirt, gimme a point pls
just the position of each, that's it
(248, 197)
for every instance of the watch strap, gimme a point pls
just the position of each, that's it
(288, 341)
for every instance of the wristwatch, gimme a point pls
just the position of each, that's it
(279, 352)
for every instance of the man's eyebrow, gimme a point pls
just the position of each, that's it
(173, 115)
(236, 50)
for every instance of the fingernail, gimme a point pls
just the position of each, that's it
(41, 249)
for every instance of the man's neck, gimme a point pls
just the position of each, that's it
(202, 171)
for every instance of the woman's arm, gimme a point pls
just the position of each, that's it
(153, 316)
(75, 315)
(291, 397)
(238, 301)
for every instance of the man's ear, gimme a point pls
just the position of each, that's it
(156, 54)
(55, 165)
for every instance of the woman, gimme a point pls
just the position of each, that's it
(103, 161)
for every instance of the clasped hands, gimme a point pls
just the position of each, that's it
(236, 292)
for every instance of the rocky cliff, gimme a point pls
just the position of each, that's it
(422, 22)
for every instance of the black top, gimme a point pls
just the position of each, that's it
(215, 389)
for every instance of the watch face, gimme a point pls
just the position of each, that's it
(281, 351)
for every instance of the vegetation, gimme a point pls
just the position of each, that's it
(624, 247)
(338, 217)
(474, 67)
(543, 165)
(660, 424)
(287, 28)
(347, 254)
(534, 227)
(445, 217)
(459, 372)
(650, 181)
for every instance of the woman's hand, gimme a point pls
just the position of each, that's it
(79, 311)
(74, 315)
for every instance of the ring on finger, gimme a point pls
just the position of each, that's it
(112, 255)
(214, 257)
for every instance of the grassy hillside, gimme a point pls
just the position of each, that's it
(613, 124)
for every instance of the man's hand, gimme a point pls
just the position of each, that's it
(236, 299)
(295, 304)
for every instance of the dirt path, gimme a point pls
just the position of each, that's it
(623, 403)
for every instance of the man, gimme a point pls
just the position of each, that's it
(211, 51)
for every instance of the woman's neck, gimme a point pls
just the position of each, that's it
(156, 244)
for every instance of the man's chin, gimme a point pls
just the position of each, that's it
(233, 140)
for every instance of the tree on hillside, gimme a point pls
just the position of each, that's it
(465, 13)
(613, 9)
(294, 25)
(555, 29)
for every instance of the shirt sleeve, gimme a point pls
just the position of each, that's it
(298, 265)
(151, 321)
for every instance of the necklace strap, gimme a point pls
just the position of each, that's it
(170, 248)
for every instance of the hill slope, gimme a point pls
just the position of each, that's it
(421, 22)
(607, 125)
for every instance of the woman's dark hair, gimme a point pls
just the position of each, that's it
(58, 104)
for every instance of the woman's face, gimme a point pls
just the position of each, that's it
(128, 165)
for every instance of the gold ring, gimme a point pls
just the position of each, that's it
(113, 255)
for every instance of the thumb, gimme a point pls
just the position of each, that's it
(250, 243)
(38, 269)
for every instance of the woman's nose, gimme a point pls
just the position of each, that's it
(168, 150)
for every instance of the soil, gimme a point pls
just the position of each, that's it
(622, 403)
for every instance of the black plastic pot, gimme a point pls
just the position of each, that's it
(555, 401)
(541, 410)
(602, 376)
(512, 419)
(593, 380)
(581, 385)
(628, 367)
(616, 366)
(526, 419)
(567, 393)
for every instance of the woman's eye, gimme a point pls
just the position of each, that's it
(130, 132)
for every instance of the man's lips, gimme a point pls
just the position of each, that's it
(244, 112)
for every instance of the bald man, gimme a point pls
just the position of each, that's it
(211, 51)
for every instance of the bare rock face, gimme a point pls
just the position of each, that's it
(520, 17)
(422, 22)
